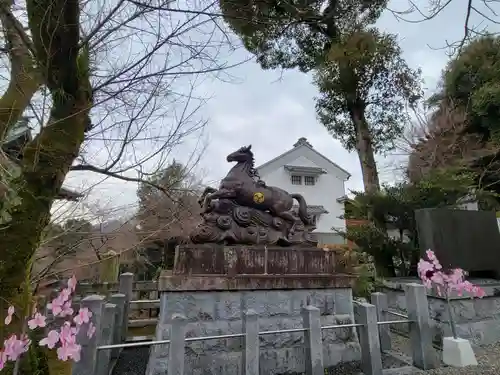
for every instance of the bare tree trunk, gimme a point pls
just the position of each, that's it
(24, 78)
(365, 151)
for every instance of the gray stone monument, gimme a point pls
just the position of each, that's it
(461, 238)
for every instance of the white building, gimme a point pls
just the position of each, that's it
(305, 171)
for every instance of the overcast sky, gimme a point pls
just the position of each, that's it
(272, 109)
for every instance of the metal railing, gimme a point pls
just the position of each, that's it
(221, 337)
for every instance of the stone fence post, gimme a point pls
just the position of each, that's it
(107, 325)
(371, 356)
(126, 288)
(313, 340)
(177, 345)
(88, 361)
(251, 346)
(381, 305)
(423, 353)
(119, 301)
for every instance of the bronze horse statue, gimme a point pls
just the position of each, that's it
(243, 185)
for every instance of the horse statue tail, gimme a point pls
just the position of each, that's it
(306, 219)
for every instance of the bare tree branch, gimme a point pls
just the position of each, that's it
(485, 10)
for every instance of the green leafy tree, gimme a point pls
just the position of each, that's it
(296, 33)
(470, 81)
(463, 131)
(365, 86)
(359, 72)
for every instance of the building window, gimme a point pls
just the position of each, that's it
(309, 180)
(296, 180)
(314, 219)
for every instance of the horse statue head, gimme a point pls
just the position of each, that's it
(244, 154)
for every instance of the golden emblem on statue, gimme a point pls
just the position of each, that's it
(258, 197)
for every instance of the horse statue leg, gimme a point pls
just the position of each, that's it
(217, 194)
(207, 190)
(206, 205)
(287, 216)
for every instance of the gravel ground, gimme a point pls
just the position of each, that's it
(132, 361)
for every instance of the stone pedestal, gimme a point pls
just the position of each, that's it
(458, 352)
(213, 286)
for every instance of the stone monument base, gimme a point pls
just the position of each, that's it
(233, 282)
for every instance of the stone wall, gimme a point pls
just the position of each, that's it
(213, 313)
(477, 319)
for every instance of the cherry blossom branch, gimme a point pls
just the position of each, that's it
(432, 274)
(63, 337)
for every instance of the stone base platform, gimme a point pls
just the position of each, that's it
(214, 287)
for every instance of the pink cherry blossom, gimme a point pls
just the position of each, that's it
(14, 347)
(63, 337)
(38, 321)
(83, 316)
(69, 351)
(51, 340)
(10, 313)
(3, 359)
(72, 283)
(67, 334)
(430, 255)
(431, 273)
(56, 305)
(66, 309)
(65, 294)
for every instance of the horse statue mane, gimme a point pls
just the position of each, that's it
(244, 210)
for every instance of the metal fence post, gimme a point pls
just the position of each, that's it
(424, 356)
(88, 361)
(104, 356)
(177, 349)
(313, 340)
(119, 301)
(251, 349)
(371, 357)
(126, 287)
(382, 306)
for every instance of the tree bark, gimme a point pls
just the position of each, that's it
(365, 151)
(24, 78)
(47, 159)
